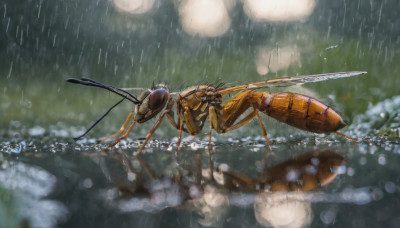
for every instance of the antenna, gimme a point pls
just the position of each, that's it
(97, 121)
(90, 82)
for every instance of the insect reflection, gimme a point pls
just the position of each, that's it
(190, 181)
(153, 187)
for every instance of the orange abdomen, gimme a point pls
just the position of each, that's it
(302, 112)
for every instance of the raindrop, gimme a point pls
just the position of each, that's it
(66, 23)
(339, 169)
(331, 47)
(390, 187)
(21, 38)
(36, 131)
(60, 133)
(8, 24)
(141, 56)
(105, 60)
(194, 192)
(54, 40)
(315, 161)
(77, 30)
(350, 171)
(98, 61)
(131, 176)
(382, 159)
(224, 167)
(328, 217)
(363, 161)
(40, 7)
(292, 175)
(380, 14)
(87, 183)
(10, 71)
(310, 169)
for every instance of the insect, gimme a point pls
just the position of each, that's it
(198, 103)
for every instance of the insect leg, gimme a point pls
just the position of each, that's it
(147, 169)
(246, 119)
(347, 137)
(111, 145)
(178, 124)
(264, 132)
(213, 119)
(242, 122)
(213, 123)
(122, 129)
(151, 132)
(179, 138)
(171, 114)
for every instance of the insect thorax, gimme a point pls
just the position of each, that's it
(194, 104)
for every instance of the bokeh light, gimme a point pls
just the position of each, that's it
(133, 6)
(278, 10)
(275, 210)
(208, 18)
(275, 59)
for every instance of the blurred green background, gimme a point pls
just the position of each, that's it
(43, 43)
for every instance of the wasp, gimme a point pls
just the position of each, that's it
(196, 104)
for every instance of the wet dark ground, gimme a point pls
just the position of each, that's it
(311, 180)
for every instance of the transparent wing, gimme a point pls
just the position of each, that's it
(289, 81)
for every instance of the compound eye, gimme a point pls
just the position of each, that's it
(157, 98)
